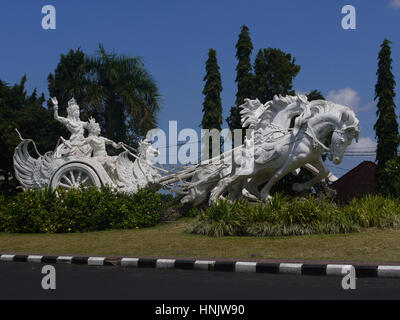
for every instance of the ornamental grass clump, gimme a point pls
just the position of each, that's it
(375, 211)
(282, 216)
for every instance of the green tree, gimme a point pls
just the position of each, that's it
(70, 79)
(212, 105)
(127, 93)
(260, 77)
(8, 137)
(244, 77)
(115, 89)
(27, 114)
(386, 127)
(390, 178)
(315, 95)
(274, 73)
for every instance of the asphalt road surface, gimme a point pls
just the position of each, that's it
(23, 281)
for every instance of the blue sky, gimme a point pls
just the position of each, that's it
(173, 37)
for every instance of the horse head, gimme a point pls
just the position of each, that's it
(143, 167)
(331, 123)
(146, 150)
(347, 129)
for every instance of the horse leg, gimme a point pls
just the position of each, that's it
(219, 189)
(251, 188)
(323, 173)
(235, 191)
(289, 166)
(222, 186)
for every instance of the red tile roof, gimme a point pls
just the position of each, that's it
(357, 182)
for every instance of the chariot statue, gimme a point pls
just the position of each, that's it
(288, 134)
(83, 160)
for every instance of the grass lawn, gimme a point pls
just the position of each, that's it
(172, 240)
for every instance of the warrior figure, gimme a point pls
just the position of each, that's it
(98, 144)
(77, 129)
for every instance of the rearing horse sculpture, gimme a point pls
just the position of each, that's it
(320, 126)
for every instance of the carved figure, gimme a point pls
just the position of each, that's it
(276, 149)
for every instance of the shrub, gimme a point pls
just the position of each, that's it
(389, 178)
(78, 210)
(284, 216)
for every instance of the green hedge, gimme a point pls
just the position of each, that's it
(285, 216)
(60, 211)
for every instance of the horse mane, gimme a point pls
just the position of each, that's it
(321, 108)
(256, 115)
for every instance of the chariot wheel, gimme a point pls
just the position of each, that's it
(74, 175)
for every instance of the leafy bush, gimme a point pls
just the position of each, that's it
(77, 210)
(284, 216)
(389, 178)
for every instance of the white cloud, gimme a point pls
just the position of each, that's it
(395, 4)
(365, 145)
(348, 97)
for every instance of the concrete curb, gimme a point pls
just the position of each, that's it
(323, 269)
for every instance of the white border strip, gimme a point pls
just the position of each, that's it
(36, 259)
(64, 259)
(203, 265)
(290, 268)
(7, 257)
(245, 266)
(165, 263)
(129, 262)
(337, 269)
(389, 271)
(96, 261)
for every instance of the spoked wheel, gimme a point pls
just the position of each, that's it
(74, 175)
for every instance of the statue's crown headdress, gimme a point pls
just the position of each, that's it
(93, 125)
(72, 105)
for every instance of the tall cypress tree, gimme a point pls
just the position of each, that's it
(386, 127)
(244, 76)
(274, 73)
(212, 105)
(260, 77)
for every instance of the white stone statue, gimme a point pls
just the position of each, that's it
(83, 160)
(288, 133)
(75, 126)
(142, 171)
(276, 148)
(97, 142)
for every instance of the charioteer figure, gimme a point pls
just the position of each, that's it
(72, 146)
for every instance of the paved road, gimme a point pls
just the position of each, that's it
(23, 281)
